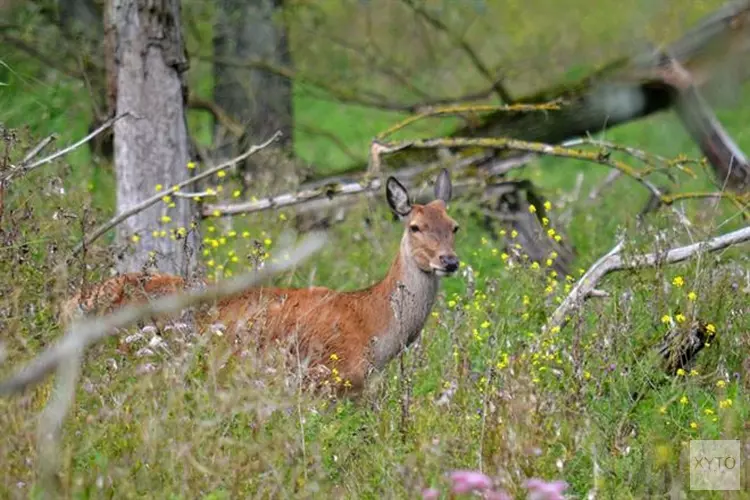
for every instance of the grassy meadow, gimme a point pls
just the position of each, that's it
(483, 389)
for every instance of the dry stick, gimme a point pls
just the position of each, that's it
(37, 149)
(57, 154)
(156, 198)
(324, 195)
(614, 261)
(88, 331)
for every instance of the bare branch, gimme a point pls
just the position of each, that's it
(336, 191)
(290, 199)
(502, 143)
(156, 198)
(439, 25)
(37, 149)
(615, 261)
(57, 154)
(89, 331)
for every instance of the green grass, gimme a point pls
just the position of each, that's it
(519, 403)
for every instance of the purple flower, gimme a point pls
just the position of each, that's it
(465, 481)
(430, 494)
(542, 490)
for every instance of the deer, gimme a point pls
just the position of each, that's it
(361, 330)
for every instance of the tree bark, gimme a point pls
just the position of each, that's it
(152, 148)
(260, 101)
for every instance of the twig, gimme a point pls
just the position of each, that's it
(155, 199)
(614, 261)
(465, 46)
(57, 154)
(88, 331)
(37, 149)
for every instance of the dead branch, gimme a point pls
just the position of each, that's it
(615, 261)
(33, 152)
(502, 143)
(89, 331)
(337, 192)
(291, 199)
(156, 198)
(24, 169)
(730, 164)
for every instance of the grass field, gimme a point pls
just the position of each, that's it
(487, 389)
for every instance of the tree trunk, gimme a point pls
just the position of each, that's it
(151, 147)
(259, 100)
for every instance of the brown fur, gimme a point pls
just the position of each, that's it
(364, 329)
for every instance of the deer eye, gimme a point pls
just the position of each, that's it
(456, 228)
(414, 228)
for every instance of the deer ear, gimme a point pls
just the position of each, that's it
(443, 187)
(398, 197)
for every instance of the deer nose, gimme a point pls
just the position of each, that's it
(449, 262)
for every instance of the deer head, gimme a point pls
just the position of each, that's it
(429, 232)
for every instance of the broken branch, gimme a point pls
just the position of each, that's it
(615, 261)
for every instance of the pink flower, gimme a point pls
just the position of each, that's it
(542, 490)
(430, 494)
(496, 495)
(465, 481)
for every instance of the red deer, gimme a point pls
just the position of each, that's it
(361, 330)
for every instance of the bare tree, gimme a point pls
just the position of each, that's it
(151, 147)
(259, 100)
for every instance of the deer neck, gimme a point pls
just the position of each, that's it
(405, 297)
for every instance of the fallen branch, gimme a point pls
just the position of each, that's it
(156, 198)
(57, 154)
(730, 164)
(615, 261)
(89, 331)
(337, 191)
(502, 143)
